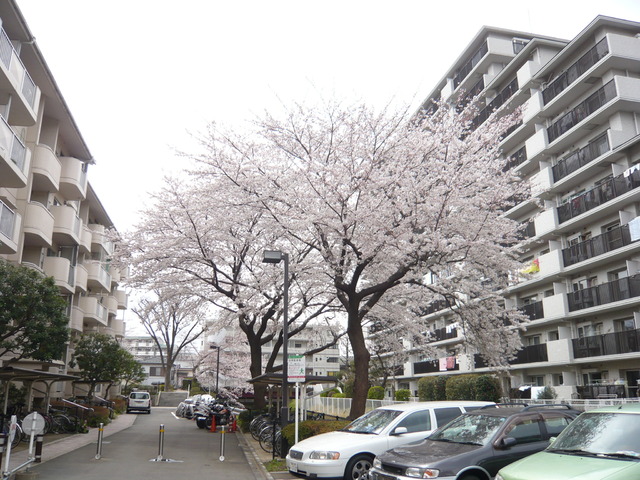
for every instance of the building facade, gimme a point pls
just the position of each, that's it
(51, 219)
(578, 147)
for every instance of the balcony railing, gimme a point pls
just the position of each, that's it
(504, 95)
(13, 144)
(435, 306)
(465, 70)
(621, 289)
(608, 344)
(431, 366)
(531, 354)
(7, 55)
(533, 310)
(608, 241)
(517, 158)
(599, 195)
(569, 120)
(571, 74)
(580, 158)
(444, 333)
(7, 220)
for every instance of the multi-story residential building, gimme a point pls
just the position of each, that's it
(51, 219)
(578, 146)
(325, 363)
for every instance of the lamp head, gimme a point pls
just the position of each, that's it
(272, 256)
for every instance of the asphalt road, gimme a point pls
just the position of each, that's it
(188, 453)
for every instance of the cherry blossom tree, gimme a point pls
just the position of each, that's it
(395, 209)
(205, 239)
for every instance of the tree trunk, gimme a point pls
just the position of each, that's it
(259, 390)
(168, 386)
(361, 358)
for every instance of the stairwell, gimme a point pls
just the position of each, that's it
(170, 399)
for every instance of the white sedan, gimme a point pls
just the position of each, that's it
(349, 453)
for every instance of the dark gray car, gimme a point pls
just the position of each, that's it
(475, 445)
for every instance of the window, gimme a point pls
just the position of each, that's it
(625, 325)
(445, 415)
(417, 422)
(533, 340)
(554, 425)
(552, 335)
(525, 431)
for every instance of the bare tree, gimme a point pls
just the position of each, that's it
(174, 320)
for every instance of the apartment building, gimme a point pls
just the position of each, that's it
(578, 146)
(322, 364)
(51, 219)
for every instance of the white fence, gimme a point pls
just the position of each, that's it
(340, 407)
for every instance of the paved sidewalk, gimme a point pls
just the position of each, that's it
(262, 457)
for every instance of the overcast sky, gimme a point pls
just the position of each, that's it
(139, 75)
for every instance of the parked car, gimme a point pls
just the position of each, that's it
(139, 401)
(600, 444)
(349, 452)
(475, 445)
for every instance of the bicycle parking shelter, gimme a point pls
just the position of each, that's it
(29, 377)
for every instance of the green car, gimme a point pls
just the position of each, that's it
(601, 444)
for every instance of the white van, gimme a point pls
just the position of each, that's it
(349, 453)
(139, 401)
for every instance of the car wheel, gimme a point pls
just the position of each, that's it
(128, 411)
(358, 467)
(471, 477)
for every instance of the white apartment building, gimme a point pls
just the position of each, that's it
(325, 363)
(50, 217)
(578, 145)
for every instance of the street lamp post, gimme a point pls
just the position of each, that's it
(217, 347)
(276, 256)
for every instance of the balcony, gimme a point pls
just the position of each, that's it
(82, 277)
(46, 169)
(123, 299)
(62, 272)
(94, 312)
(99, 238)
(77, 317)
(67, 225)
(98, 277)
(581, 111)
(580, 67)
(598, 195)
(464, 71)
(38, 225)
(617, 238)
(500, 99)
(14, 158)
(533, 310)
(531, 354)
(432, 366)
(16, 81)
(578, 159)
(86, 235)
(112, 304)
(621, 289)
(444, 333)
(616, 343)
(10, 223)
(73, 178)
(118, 327)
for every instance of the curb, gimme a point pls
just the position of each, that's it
(252, 457)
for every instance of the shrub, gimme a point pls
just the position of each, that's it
(547, 393)
(339, 395)
(403, 395)
(461, 387)
(95, 420)
(432, 389)
(309, 428)
(488, 388)
(376, 393)
(330, 393)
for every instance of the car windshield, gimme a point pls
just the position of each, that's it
(473, 429)
(139, 396)
(602, 434)
(373, 422)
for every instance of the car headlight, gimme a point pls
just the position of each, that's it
(416, 472)
(377, 463)
(324, 455)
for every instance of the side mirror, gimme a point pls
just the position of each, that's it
(399, 430)
(506, 442)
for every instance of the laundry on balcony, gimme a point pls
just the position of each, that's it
(533, 268)
(631, 169)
